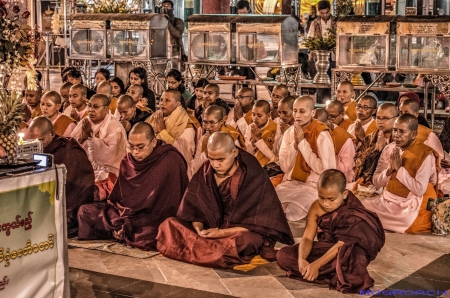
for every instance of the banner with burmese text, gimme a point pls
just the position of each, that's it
(33, 254)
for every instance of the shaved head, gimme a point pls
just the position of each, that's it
(102, 98)
(176, 94)
(371, 99)
(138, 88)
(387, 106)
(261, 103)
(66, 86)
(332, 177)
(214, 87)
(336, 104)
(321, 115)
(410, 120)
(247, 90)
(308, 100)
(412, 104)
(104, 88)
(126, 100)
(216, 111)
(289, 101)
(81, 88)
(53, 96)
(221, 140)
(347, 84)
(143, 128)
(283, 88)
(41, 123)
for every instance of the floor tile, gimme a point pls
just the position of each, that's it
(322, 292)
(258, 271)
(86, 259)
(260, 286)
(103, 282)
(274, 269)
(153, 275)
(294, 284)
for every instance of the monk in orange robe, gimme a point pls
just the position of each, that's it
(336, 114)
(365, 124)
(50, 105)
(240, 117)
(33, 100)
(345, 93)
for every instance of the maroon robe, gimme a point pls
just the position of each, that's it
(247, 199)
(145, 194)
(363, 237)
(80, 177)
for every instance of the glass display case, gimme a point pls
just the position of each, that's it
(365, 42)
(423, 43)
(123, 37)
(263, 40)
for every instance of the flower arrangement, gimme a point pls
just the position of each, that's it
(112, 6)
(319, 43)
(17, 41)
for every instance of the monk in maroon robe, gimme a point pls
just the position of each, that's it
(149, 188)
(80, 175)
(349, 237)
(229, 213)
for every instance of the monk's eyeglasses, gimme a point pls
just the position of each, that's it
(95, 107)
(206, 123)
(365, 108)
(138, 148)
(334, 116)
(385, 118)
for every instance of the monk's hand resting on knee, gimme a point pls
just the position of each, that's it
(211, 233)
(302, 263)
(118, 234)
(312, 271)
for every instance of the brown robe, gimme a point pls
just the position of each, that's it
(145, 194)
(80, 177)
(247, 200)
(363, 237)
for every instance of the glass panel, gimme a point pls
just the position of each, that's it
(254, 47)
(88, 42)
(209, 46)
(130, 43)
(424, 52)
(362, 51)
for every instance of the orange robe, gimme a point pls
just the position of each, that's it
(350, 111)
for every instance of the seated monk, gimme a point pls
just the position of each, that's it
(406, 169)
(278, 93)
(416, 98)
(211, 97)
(336, 114)
(345, 93)
(365, 124)
(367, 155)
(105, 88)
(33, 101)
(260, 135)
(137, 93)
(343, 145)
(64, 92)
(103, 138)
(78, 103)
(424, 134)
(173, 125)
(50, 105)
(213, 122)
(304, 155)
(240, 117)
(349, 237)
(129, 114)
(229, 213)
(80, 175)
(131, 216)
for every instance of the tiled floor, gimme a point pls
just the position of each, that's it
(406, 262)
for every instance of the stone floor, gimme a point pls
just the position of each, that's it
(406, 262)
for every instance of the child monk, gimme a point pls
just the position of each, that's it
(349, 237)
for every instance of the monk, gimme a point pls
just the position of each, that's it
(278, 93)
(33, 101)
(106, 89)
(78, 103)
(50, 105)
(229, 213)
(131, 216)
(129, 114)
(336, 114)
(64, 92)
(80, 175)
(365, 124)
(103, 138)
(343, 145)
(284, 121)
(367, 155)
(213, 122)
(304, 155)
(411, 95)
(137, 93)
(407, 170)
(345, 93)
(240, 117)
(173, 125)
(260, 135)
(349, 237)
(424, 134)
(211, 95)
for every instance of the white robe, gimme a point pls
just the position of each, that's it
(106, 151)
(396, 213)
(298, 196)
(345, 160)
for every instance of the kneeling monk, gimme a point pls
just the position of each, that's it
(151, 183)
(349, 238)
(229, 213)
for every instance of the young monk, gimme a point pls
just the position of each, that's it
(129, 113)
(240, 117)
(278, 93)
(345, 93)
(210, 97)
(365, 124)
(78, 103)
(349, 237)
(64, 92)
(137, 93)
(229, 213)
(213, 122)
(304, 155)
(336, 114)
(50, 105)
(106, 89)
(260, 135)
(407, 171)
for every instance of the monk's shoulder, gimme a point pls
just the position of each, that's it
(315, 211)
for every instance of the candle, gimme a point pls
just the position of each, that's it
(21, 135)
